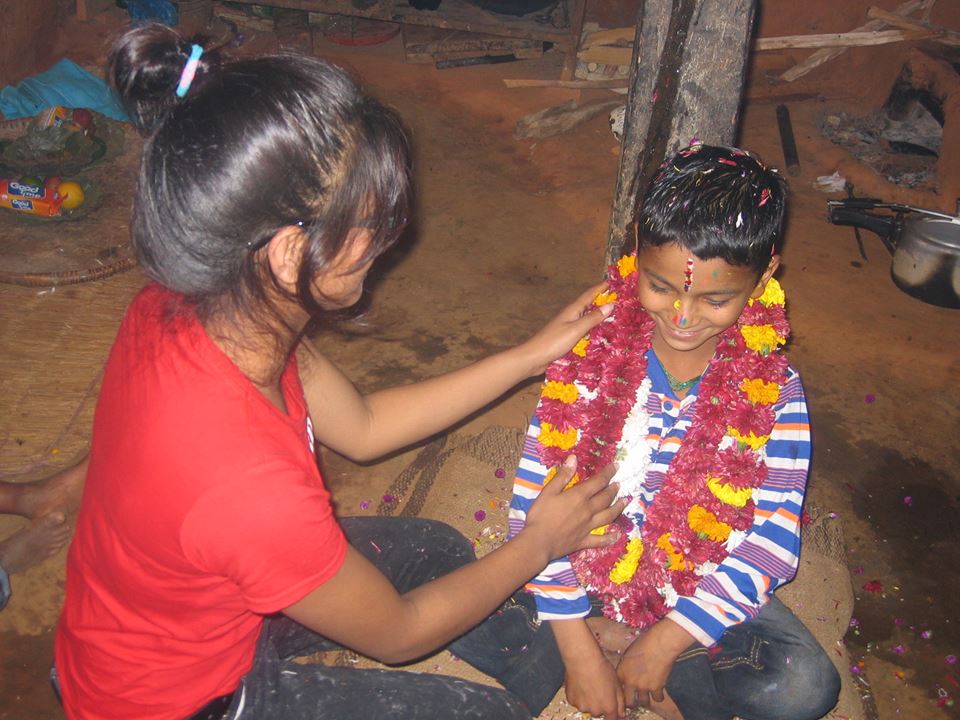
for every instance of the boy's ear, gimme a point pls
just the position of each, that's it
(283, 254)
(765, 277)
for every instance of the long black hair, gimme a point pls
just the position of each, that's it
(717, 202)
(253, 146)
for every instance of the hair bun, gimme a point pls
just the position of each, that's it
(145, 65)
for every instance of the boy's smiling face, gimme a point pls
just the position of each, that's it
(691, 300)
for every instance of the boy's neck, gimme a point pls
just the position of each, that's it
(683, 364)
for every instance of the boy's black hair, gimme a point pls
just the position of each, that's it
(253, 146)
(717, 202)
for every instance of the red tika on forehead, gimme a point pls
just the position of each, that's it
(688, 275)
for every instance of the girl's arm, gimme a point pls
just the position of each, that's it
(361, 609)
(364, 427)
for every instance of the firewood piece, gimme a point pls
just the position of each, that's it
(845, 40)
(827, 54)
(617, 37)
(944, 35)
(605, 55)
(559, 118)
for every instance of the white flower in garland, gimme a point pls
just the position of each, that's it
(633, 454)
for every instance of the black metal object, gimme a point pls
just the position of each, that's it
(924, 245)
(787, 140)
(856, 229)
(884, 226)
(481, 60)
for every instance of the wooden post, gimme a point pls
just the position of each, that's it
(689, 62)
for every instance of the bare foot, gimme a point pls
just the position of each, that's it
(59, 492)
(612, 637)
(34, 544)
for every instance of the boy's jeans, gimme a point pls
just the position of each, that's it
(768, 668)
(510, 646)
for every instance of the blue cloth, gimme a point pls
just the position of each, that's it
(67, 84)
(4, 588)
(153, 11)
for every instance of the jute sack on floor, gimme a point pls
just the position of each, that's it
(466, 481)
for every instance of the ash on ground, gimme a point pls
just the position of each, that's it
(904, 151)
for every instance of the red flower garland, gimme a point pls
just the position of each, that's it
(611, 369)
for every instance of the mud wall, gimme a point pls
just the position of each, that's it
(26, 37)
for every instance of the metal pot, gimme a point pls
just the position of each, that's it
(925, 245)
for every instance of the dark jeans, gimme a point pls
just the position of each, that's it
(768, 668)
(510, 646)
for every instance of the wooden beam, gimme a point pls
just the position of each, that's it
(686, 81)
(577, 10)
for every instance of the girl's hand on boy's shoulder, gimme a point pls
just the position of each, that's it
(558, 336)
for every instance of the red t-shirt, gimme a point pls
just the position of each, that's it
(203, 511)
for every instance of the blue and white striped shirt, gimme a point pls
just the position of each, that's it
(766, 558)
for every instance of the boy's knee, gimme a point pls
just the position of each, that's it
(827, 689)
(814, 690)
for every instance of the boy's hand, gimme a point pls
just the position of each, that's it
(591, 681)
(592, 686)
(646, 664)
(562, 519)
(564, 331)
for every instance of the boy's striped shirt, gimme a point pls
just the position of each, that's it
(767, 557)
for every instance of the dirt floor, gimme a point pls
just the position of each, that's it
(506, 233)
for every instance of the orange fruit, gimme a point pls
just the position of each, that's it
(71, 194)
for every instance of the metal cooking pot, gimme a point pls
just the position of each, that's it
(925, 245)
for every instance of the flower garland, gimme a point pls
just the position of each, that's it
(593, 405)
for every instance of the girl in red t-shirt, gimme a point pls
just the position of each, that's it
(267, 188)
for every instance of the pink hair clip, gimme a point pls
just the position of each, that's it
(189, 70)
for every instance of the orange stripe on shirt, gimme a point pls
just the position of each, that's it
(792, 426)
(553, 588)
(530, 485)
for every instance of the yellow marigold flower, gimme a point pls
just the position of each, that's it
(663, 542)
(755, 442)
(760, 392)
(676, 561)
(602, 530)
(626, 265)
(626, 566)
(729, 495)
(564, 392)
(550, 437)
(604, 298)
(552, 473)
(761, 338)
(705, 522)
(581, 347)
(773, 294)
